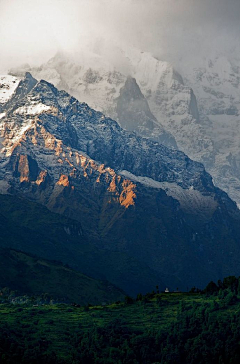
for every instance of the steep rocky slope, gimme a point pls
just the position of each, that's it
(131, 195)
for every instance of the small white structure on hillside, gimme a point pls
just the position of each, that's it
(166, 290)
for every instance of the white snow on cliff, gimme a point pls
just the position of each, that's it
(8, 85)
(32, 109)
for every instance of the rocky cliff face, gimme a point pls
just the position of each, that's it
(134, 114)
(131, 195)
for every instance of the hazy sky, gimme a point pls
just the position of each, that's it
(32, 31)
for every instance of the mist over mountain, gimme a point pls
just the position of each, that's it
(182, 32)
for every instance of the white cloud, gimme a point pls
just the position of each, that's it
(34, 30)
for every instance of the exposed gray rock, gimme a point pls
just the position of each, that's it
(134, 114)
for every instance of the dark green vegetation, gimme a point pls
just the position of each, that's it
(156, 328)
(34, 276)
(33, 229)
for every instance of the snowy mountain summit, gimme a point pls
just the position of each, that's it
(196, 112)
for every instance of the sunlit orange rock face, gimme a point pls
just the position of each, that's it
(128, 194)
(122, 191)
(23, 168)
(63, 181)
(85, 176)
(41, 178)
(125, 191)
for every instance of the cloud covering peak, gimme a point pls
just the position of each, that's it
(172, 30)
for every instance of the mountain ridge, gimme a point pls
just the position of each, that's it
(130, 194)
(199, 109)
(34, 276)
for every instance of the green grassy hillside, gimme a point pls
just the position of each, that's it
(35, 276)
(157, 328)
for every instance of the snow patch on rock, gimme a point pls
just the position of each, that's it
(8, 85)
(33, 109)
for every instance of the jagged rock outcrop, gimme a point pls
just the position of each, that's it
(134, 114)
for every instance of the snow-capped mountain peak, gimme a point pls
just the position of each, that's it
(130, 194)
